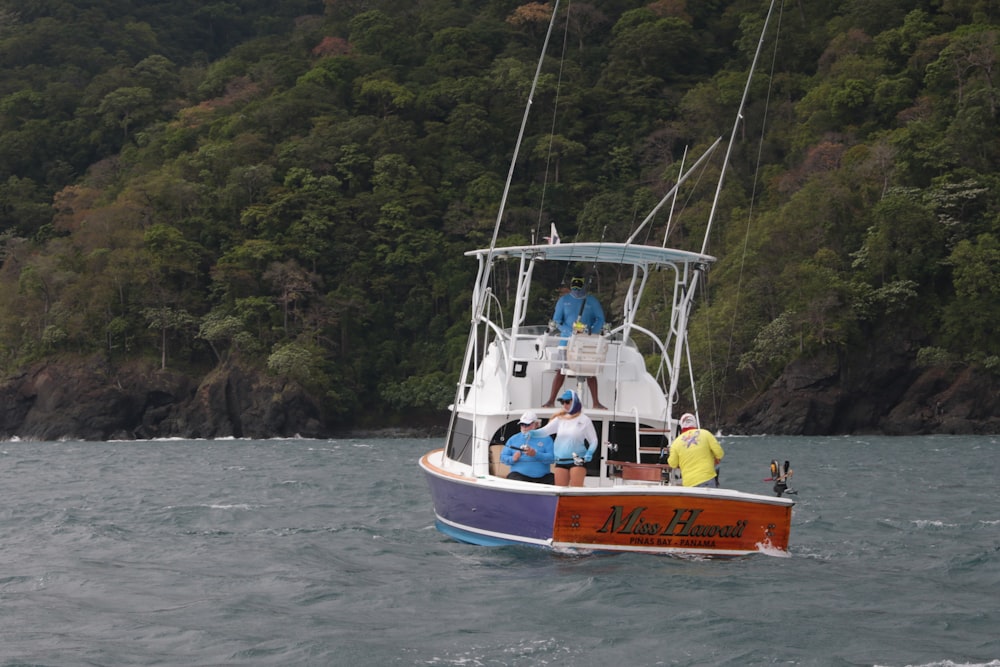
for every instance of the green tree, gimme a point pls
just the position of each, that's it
(164, 320)
(125, 107)
(972, 319)
(905, 241)
(292, 284)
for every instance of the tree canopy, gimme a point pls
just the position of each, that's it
(295, 182)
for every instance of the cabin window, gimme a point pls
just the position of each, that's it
(459, 446)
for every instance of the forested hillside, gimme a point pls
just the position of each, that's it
(292, 183)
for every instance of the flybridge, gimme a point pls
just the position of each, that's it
(602, 253)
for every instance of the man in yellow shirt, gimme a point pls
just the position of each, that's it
(696, 452)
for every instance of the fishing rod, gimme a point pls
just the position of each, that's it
(576, 460)
(673, 203)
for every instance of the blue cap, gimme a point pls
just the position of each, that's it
(567, 395)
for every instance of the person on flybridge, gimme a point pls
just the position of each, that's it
(576, 312)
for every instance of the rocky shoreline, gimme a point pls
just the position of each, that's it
(92, 399)
(823, 397)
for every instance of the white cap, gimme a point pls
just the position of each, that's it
(529, 417)
(688, 421)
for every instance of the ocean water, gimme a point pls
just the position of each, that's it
(310, 552)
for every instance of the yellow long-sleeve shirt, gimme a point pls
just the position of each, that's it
(695, 452)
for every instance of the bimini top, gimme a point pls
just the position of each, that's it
(604, 253)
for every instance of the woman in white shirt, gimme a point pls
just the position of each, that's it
(576, 440)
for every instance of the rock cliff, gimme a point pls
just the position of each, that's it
(91, 399)
(885, 395)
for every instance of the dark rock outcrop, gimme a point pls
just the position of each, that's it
(887, 395)
(91, 399)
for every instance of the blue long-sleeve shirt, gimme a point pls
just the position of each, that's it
(530, 466)
(567, 311)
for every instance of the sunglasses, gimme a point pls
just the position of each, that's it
(565, 400)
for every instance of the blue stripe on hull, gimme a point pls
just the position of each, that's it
(479, 539)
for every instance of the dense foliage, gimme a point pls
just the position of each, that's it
(295, 181)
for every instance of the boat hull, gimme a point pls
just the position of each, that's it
(642, 518)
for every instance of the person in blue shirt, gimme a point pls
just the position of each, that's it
(576, 312)
(529, 454)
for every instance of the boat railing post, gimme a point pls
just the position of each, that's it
(638, 437)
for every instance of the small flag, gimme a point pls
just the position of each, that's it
(554, 238)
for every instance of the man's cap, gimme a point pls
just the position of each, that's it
(688, 421)
(528, 418)
(576, 283)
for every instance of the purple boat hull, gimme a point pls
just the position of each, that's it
(650, 518)
(473, 513)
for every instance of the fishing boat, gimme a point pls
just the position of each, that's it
(630, 500)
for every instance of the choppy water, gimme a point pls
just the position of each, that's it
(297, 552)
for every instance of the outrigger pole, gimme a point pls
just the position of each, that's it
(736, 124)
(683, 308)
(680, 180)
(517, 150)
(481, 294)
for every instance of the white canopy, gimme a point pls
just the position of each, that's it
(605, 253)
